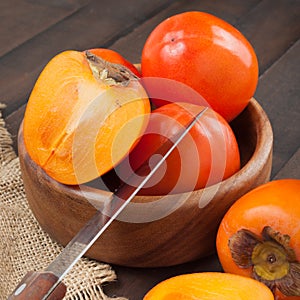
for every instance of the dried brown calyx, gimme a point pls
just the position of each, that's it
(271, 258)
(112, 74)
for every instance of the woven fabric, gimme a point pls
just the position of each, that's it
(24, 246)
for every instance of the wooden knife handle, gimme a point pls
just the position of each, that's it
(36, 285)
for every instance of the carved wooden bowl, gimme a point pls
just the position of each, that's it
(152, 237)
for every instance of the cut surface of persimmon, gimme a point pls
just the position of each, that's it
(82, 116)
(209, 286)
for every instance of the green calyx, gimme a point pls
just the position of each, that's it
(271, 258)
(270, 261)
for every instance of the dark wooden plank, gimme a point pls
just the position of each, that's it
(272, 27)
(21, 20)
(278, 92)
(232, 11)
(95, 25)
(254, 19)
(291, 169)
(13, 122)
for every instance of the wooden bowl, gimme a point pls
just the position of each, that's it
(154, 238)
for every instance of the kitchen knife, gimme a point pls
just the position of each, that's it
(48, 284)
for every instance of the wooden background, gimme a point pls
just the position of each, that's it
(33, 31)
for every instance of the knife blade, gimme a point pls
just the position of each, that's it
(48, 284)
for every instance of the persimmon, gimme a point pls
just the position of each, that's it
(205, 53)
(259, 237)
(209, 286)
(83, 115)
(207, 155)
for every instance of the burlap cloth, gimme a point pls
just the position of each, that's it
(25, 246)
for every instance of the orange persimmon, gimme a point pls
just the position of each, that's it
(209, 286)
(207, 155)
(259, 237)
(207, 54)
(82, 116)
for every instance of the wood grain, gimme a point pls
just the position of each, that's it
(278, 92)
(97, 24)
(34, 17)
(36, 285)
(272, 27)
(291, 168)
(232, 11)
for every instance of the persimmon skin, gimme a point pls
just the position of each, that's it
(274, 204)
(206, 156)
(207, 54)
(73, 119)
(209, 286)
(116, 58)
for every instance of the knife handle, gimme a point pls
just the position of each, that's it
(35, 285)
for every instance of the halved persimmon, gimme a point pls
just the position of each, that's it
(83, 115)
(209, 286)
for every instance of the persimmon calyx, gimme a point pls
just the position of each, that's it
(271, 258)
(110, 73)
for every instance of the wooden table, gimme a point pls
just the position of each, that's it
(33, 31)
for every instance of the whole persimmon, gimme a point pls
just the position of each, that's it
(207, 155)
(83, 115)
(209, 286)
(207, 54)
(259, 237)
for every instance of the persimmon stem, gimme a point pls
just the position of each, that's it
(112, 74)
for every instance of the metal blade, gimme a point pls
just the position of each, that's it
(93, 229)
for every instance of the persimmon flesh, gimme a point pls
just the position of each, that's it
(82, 116)
(209, 286)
